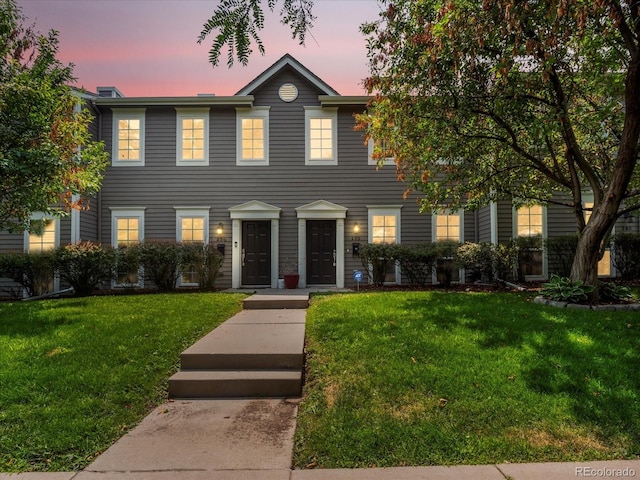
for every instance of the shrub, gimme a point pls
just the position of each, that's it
(626, 255)
(161, 262)
(477, 259)
(610, 292)
(376, 259)
(446, 261)
(417, 262)
(127, 266)
(206, 259)
(564, 290)
(33, 271)
(84, 266)
(560, 252)
(527, 248)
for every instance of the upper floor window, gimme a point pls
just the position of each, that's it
(377, 147)
(321, 132)
(128, 137)
(192, 136)
(252, 127)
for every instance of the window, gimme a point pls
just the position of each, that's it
(252, 127)
(384, 227)
(321, 136)
(192, 226)
(48, 239)
(127, 229)
(604, 265)
(192, 137)
(448, 226)
(530, 226)
(128, 137)
(375, 146)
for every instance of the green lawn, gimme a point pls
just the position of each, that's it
(421, 378)
(77, 374)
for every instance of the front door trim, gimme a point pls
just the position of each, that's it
(321, 210)
(253, 210)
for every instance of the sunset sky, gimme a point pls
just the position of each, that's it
(149, 48)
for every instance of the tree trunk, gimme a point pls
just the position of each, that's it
(585, 261)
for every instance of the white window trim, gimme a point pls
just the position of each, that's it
(191, 212)
(370, 150)
(43, 216)
(434, 232)
(127, 114)
(386, 210)
(434, 224)
(56, 220)
(320, 112)
(194, 113)
(545, 263)
(130, 212)
(255, 112)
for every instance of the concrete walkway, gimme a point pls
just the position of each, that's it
(252, 439)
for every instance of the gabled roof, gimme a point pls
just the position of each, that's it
(288, 60)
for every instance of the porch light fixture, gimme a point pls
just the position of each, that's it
(356, 228)
(219, 229)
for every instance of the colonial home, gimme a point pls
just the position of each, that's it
(275, 176)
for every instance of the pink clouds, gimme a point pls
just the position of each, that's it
(148, 48)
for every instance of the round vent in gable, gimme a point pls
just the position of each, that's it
(288, 92)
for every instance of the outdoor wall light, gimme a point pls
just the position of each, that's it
(219, 229)
(356, 228)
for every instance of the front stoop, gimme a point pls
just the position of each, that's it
(256, 353)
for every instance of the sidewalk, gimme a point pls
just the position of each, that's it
(252, 439)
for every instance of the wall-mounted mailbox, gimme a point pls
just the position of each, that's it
(355, 248)
(221, 248)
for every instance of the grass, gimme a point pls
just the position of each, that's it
(422, 378)
(77, 374)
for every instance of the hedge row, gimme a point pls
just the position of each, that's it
(86, 265)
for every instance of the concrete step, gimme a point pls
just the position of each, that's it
(247, 346)
(235, 383)
(270, 302)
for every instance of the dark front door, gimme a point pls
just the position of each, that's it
(321, 252)
(256, 252)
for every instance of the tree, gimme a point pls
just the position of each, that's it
(536, 101)
(46, 154)
(237, 23)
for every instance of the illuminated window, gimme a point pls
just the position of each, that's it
(192, 226)
(128, 137)
(529, 222)
(45, 241)
(448, 227)
(127, 229)
(384, 227)
(193, 136)
(252, 126)
(321, 136)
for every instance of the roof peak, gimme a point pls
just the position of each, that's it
(288, 60)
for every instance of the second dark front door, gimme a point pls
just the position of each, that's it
(256, 252)
(321, 252)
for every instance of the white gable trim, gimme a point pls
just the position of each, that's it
(298, 67)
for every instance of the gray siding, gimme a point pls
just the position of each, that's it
(484, 224)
